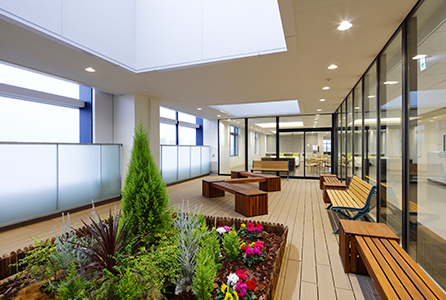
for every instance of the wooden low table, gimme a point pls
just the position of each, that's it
(347, 242)
(271, 184)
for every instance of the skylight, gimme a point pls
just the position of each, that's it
(260, 108)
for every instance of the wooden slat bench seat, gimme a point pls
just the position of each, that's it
(330, 182)
(355, 199)
(248, 202)
(271, 166)
(395, 274)
(373, 248)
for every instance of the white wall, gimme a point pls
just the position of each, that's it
(143, 35)
(102, 117)
(210, 138)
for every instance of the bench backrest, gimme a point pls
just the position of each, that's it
(361, 191)
(271, 164)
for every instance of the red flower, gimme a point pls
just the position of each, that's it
(251, 284)
(249, 224)
(241, 274)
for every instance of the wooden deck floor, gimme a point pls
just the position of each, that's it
(312, 268)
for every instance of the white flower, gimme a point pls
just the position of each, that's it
(232, 279)
(221, 230)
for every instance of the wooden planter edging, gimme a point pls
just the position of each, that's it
(6, 270)
(275, 228)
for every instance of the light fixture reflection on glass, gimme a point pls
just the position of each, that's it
(90, 69)
(326, 88)
(332, 67)
(419, 56)
(344, 25)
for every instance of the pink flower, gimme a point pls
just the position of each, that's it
(257, 251)
(249, 224)
(259, 228)
(249, 251)
(240, 288)
(259, 244)
(250, 229)
(227, 228)
(242, 274)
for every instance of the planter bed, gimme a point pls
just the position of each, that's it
(266, 273)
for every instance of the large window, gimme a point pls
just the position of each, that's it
(26, 116)
(234, 141)
(177, 128)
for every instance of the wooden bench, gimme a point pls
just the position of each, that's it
(330, 182)
(395, 274)
(248, 202)
(271, 166)
(268, 183)
(355, 199)
(375, 249)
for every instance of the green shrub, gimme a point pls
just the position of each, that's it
(72, 287)
(231, 244)
(144, 195)
(129, 286)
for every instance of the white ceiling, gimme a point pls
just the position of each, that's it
(300, 73)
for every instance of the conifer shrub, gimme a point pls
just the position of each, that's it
(144, 195)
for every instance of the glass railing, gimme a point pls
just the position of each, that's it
(37, 179)
(184, 162)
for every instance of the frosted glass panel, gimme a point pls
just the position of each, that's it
(183, 162)
(110, 171)
(195, 160)
(28, 181)
(169, 163)
(79, 174)
(205, 160)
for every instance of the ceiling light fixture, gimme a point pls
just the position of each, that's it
(357, 107)
(326, 88)
(199, 108)
(419, 56)
(332, 67)
(218, 116)
(322, 100)
(319, 109)
(344, 25)
(90, 69)
(390, 82)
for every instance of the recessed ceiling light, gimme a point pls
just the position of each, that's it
(332, 67)
(322, 100)
(90, 69)
(390, 82)
(162, 96)
(326, 88)
(371, 96)
(218, 116)
(419, 56)
(199, 108)
(344, 25)
(319, 109)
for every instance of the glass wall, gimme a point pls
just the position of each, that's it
(427, 138)
(405, 154)
(60, 176)
(261, 139)
(349, 135)
(370, 135)
(184, 162)
(390, 102)
(357, 127)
